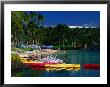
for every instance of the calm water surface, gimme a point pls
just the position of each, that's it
(70, 57)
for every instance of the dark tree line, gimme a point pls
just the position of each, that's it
(27, 28)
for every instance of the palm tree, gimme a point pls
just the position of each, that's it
(40, 19)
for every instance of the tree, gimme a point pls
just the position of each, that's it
(24, 26)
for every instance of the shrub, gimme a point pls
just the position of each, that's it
(16, 64)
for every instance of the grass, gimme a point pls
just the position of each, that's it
(21, 49)
(27, 49)
(62, 47)
(13, 49)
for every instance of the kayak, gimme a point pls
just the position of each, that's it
(91, 66)
(37, 64)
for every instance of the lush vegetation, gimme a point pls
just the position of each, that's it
(27, 28)
(16, 64)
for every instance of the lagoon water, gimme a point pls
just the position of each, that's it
(70, 57)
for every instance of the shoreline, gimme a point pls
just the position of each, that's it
(48, 51)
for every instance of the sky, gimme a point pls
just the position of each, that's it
(71, 18)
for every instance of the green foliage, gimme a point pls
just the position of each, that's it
(17, 49)
(13, 49)
(62, 47)
(16, 64)
(27, 49)
(24, 27)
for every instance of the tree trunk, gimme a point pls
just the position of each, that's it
(33, 41)
(74, 44)
(59, 43)
(85, 45)
(63, 42)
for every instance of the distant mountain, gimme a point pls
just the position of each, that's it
(81, 27)
(74, 26)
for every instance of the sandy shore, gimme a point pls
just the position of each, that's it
(48, 51)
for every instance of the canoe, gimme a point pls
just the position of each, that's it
(91, 66)
(37, 64)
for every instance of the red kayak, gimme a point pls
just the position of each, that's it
(91, 66)
(37, 65)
